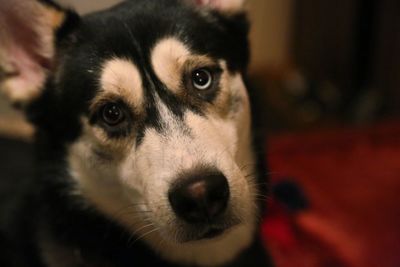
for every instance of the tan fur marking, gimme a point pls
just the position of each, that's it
(101, 142)
(171, 60)
(121, 78)
(196, 62)
(168, 57)
(54, 17)
(221, 104)
(230, 93)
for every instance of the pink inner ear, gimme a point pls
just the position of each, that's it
(214, 3)
(26, 38)
(30, 74)
(223, 5)
(200, 2)
(27, 50)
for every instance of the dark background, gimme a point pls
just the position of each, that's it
(344, 66)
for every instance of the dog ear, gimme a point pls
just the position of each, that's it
(222, 5)
(28, 38)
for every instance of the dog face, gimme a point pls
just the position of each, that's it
(148, 102)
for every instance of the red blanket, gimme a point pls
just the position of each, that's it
(351, 181)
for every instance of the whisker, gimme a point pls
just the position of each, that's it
(145, 234)
(141, 228)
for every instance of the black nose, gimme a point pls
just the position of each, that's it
(200, 198)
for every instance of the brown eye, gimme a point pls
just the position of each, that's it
(112, 114)
(202, 79)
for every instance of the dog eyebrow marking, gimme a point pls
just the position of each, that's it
(121, 78)
(167, 58)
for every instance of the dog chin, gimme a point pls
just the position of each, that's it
(205, 232)
(213, 248)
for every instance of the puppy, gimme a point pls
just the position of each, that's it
(144, 143)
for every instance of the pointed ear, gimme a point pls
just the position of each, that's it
(222, 5)
(28, 30)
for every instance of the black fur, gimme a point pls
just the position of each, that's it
(42, 206)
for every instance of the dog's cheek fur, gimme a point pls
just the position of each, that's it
(210, 141)
(94, 167)
(155, 167)
(140, 176)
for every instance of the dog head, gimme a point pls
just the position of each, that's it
(147, 102)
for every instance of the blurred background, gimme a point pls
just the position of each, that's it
(327, 75)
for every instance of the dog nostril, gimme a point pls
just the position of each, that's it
(200, 198)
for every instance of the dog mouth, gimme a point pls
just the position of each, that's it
(208, 234)
(205, 232)
(213, 233)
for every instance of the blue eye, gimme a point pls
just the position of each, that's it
(202, 79)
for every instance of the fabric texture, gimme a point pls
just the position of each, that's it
(350, 179)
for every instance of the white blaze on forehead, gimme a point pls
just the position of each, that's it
(167, 58)
(121, 77)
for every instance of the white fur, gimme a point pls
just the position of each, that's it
(132, 190)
